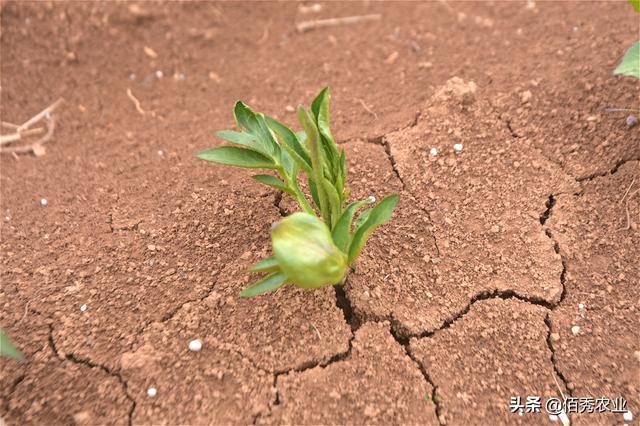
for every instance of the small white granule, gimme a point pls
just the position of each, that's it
(160, 152)
(457, 147)
(43, 202)
(580, 306)
(575, 329)
(83, 308)
(151, 392)
(371, 199)
(433, 152)
(195, 345)
(159, 74)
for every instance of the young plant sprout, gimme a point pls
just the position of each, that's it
(7, 349)
(314, 247)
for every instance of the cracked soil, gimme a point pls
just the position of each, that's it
(508, 269)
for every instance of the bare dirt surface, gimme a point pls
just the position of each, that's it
(496, 350)
(470, 295)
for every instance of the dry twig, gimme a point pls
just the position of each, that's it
(316, 330)
(25, 130)
(626, 209)
(305, 26)
(135, 101)
(265, 33)
(628, 189)
(366, 108)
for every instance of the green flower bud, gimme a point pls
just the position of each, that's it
(305, 251)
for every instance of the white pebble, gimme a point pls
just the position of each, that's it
(160, 152)
(371, 199)
(151, 392)
(553, 417)
(43, 202)
(159, 74)
(132, 76)
(627, 416)
(575, 329)
(580, 306)
(195, 345)
(433, 152)
(83, 308)
(457, 147)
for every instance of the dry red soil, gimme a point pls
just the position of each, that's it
(467, 297)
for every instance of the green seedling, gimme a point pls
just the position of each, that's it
(7, 349)
(314, 247)
(630, 65)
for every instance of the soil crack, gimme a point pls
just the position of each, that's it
(484, 295)
(277, 200)
(12, 389)
(341, 356)
(88, 363)
(404, 342)
(344, 304)
(565, 382)
(604, 173)
(551, 202)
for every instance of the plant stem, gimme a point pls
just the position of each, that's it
(292, 184)
(302, 200)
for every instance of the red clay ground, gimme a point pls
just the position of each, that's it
(466, 298)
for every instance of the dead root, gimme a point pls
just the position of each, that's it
(305, 26)
(626, 197)
(26, 130)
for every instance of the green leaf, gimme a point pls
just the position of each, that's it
(267, 135)
(630, 65)
(378, 215)
(343, 175)
(245, 117)
(265, 285)
(362, 217)
(273, 182)
(244, 139)
(317, 161)
(314, 192)
(7, 349)
(334, 200)
(305, 251)
(268, 264)
(302, 137)
(635, 4)
(320, 109)
(290, 167)
(341, 233)
(239, 157)
(254, 124)
(291, 143)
